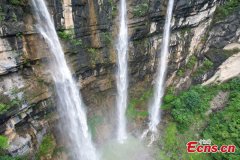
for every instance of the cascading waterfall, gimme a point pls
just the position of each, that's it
(122, 74)
(155, 112)
(70, 104)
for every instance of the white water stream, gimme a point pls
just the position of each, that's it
(122, 72)
(70, 105)
(159, 89)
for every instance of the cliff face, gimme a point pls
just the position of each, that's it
(88, 29)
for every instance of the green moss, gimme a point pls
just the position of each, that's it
(47, 146)
(141, 9)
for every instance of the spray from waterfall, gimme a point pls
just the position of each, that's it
(70, 105)
(122, 74)
(155, 112)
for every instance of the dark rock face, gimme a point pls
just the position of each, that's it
(91, 29)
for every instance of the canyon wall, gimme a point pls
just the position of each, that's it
(88, 29)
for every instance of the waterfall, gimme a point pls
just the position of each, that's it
(70, 105)
(122, 73)
(155, 112)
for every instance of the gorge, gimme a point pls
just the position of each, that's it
(200, 101)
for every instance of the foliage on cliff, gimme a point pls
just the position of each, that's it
(226, 9)
(190, 122)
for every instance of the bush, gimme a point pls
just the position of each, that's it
(3, 142)
(18, 2)
(3, 108)
(190, 103)
(224, 127)
(192, 100)
(140, 9)
(170, 140)
(68, 35)
(135, 109)
(47, 146)
(191, 62)
(107, 38)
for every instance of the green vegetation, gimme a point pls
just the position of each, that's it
(3, 108)
(141, 9)
(3, 142)
(2, 14)
(18, 2)
(189, 65)
(114, 8)
(225, 10)
(184, 30)
(170, 138)
(92, 51)
(19, 35)
(7, 103)
(13, 158)
(47, 146)
(224, 126)
(107, 38)
(181, 72)
(189, 121)
(14, 17)
(168, 98)
(191, 62)
(68, 35)
(58, 150)
(188, 104)
(93, 122)
(206, 66)
(135, 110)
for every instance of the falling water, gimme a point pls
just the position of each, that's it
(155, 112)
(122, 75)
(71, 107)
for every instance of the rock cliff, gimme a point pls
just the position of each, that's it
(88, 29)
